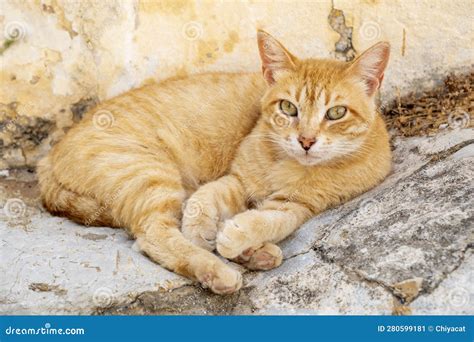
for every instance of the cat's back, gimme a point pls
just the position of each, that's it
(206, 101)
(198, 120)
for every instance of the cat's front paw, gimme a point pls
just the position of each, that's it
(199, 228)
(234, 238)
(262, 258)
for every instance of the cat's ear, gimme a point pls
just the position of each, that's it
(275, 58)
(370, 66)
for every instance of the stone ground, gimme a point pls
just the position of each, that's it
(404, 247)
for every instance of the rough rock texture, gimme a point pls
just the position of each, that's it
(405, 246)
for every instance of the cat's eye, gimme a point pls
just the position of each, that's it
(288, 108)
(336, 113)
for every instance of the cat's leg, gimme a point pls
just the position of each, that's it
(164, 243)
(154, 210)
(272, 222)
(211, 203)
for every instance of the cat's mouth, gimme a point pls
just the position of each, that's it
(308, 159)
(322, 152)
(317, 154)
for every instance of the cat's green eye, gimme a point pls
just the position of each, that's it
(336, 113)
(288, 108)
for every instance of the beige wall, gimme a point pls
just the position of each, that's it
(60, 56)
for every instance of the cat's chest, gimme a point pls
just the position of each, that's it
(280, 179)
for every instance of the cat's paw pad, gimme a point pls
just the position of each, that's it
(232, 240)
(221, 279)
(264, 258)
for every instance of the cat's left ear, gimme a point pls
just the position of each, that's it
(275, 58)
(370, 66)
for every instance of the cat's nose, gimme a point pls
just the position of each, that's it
(305, 142)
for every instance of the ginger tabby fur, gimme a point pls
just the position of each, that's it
(251, 173)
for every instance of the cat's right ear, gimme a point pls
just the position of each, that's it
(276, 59)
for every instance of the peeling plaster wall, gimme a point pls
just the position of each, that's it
(58, 58)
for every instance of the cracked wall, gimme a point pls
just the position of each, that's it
(59, 58)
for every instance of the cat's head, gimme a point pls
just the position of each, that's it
(318, 110)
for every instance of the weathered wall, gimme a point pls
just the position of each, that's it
(59, 57)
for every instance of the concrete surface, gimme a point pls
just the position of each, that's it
(59, 58)
(404, 247)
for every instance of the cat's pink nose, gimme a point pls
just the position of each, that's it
(306, 143)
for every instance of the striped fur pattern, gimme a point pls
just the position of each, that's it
(210, 161)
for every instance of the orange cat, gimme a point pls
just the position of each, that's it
(264, 154)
